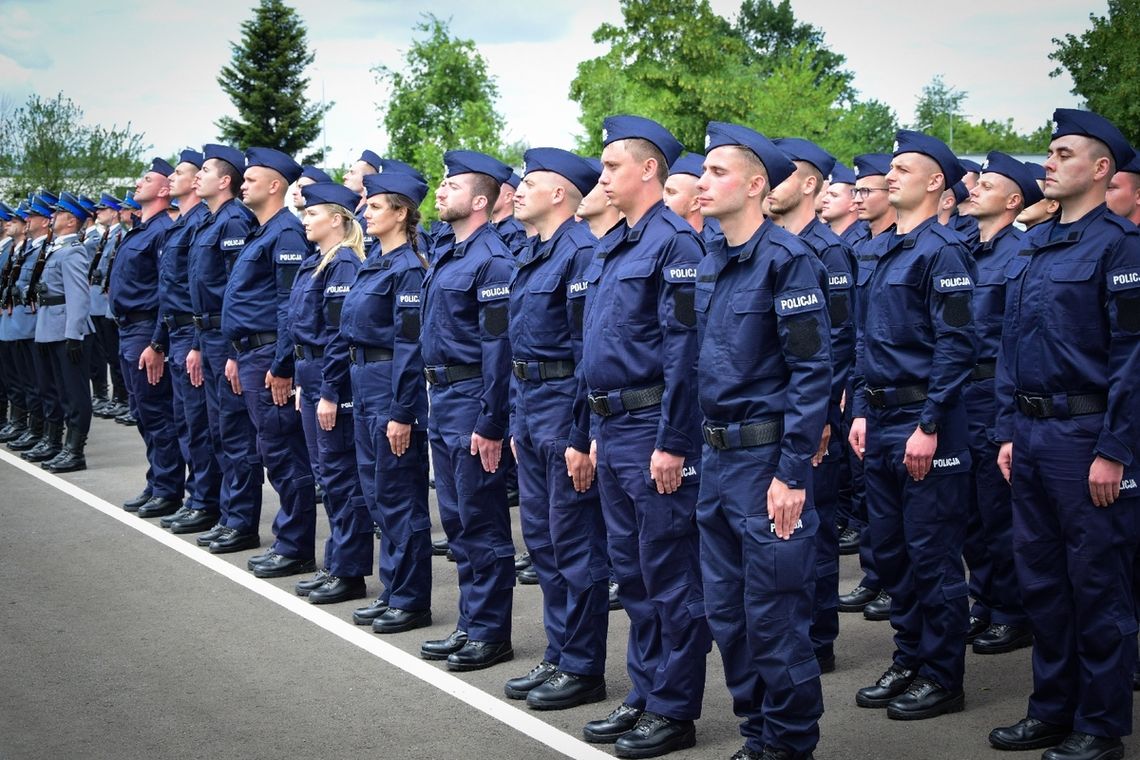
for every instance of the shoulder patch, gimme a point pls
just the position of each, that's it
(337, 290)
(838, 280)
(680, 273)
(289, 258)
(494, 292)
(408, 299)
(1124, 279)
(799, 301)
(952, 283)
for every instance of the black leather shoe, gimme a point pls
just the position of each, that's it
(450, 555)
(607, 730)
(518, 688)
(858, 598)
(398, 621)
(306, 586)
(336, 589)
(615, 600)
(441, 649)
(565, 690)
(656, 735)
(1000, 638)
(257, 559)
(158, 506)
(126, 418)
(62, 454)
(210, 536)
(194, 521)
(849, 539)
(365, 615)
(774, 753)
(132, 505)
(230, 540)
(69, 460)
(745, 754)
(975, 628)
(25, 442)
(439, 547)
(512, 497)
(925, 699)
(476, 655)
(879, 608)
(522, 561)
(1028, 733)
(42, 451)
(528, 577)
(1082, 746)
(181, 512)
(891, 684)
(281, 566)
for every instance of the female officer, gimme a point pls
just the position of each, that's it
(322, 283)
(379, 332)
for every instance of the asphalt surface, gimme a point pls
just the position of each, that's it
(121, 643)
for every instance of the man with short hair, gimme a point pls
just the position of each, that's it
(105, 335)
(17, 326)
(596, 210)
(839, 210)
(1044, 209)
(510, 229)
(1123, 195)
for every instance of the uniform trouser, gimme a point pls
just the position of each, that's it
(204, 483)
(655, 550)
(759, 597)
(107, 338)
(395, 490)
(852, 511)
(1075, 566)
(989, 530)
(153, 406)
(96, 361)
(825, 487)
(918, 529)
(46, 383)
(474, 513)
(72, 381)
(348, 550)
(233, 439)
(13, 392)
(564, 530)
(281, 442)
(24, 372)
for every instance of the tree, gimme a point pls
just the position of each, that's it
(45, 144)
(266, 82)
(771, 32)
(1104, 63)
(443, 99)
(938, 112)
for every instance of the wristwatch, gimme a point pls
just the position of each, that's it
(157, 347)
(930, 428)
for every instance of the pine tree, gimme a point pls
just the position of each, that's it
(266, 81)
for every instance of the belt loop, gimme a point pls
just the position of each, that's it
(1061, 405)
(732, 436)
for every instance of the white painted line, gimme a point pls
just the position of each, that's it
(519, 720)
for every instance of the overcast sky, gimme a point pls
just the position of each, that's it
(154, 64)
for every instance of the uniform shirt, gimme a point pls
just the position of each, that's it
(640, 327)
(918, 325)
(64, 274)
(22, 321)
(710, 232)
(856, 233)
(315, 304)
(257, 293)
(382, 310)
(134, 277)
(213, 251)
(174, 269)
(967, 227)
(91, 239)
(100, 265)
(513, 234)
(548, 301)
(465, 297)
(1072, 324)
(991, 259)
(764, 335)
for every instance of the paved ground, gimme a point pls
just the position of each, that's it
(118, 640)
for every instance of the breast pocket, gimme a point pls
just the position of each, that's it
(903, 306)
(1074, 299)
(989, 296)
(753, 319)
(636, 298)
(456, 304)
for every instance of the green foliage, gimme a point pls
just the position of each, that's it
(938, 113)
(45, 143)
(1104, 62)
(266, 82)
(442, 99)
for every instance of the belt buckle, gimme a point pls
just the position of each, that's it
(715, 437)
(1038, 404)
(600, 404)
(352, 354)
(199, 322)
(877, 397)
(429, 373)
(519, 369)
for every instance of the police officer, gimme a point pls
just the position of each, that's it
(595, 210)
(764, 377)
(380, 330)
(1123, 196)
(309, 176)
(839, 210)
(793, 200)
(997, 621)
(28, 424)
(133, 298)
(681, 195)
(213, 254)
(465, 295)
(322, 283)
(105, 336)
(368, 163)
(1044, 209)
(949, 214)
(255, 319)
(638, 359)
(1068, 423)
(561, 515)
(62, 323)
(11, 413)
(915, 355)
(510, 229)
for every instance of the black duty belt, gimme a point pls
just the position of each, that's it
(984, 371)
(308, 353)
(178, 319)
(542, 370)
(452, 374)
(145, 315)
(366, 354)
(250, 342)
(627, 400)
(52, 300)
(882, 398)
(208, 321)
(1062, 405)
(742, 436)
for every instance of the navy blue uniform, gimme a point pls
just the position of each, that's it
(513, 233)
(916, 351)
(133, 299)
(1067, 393)
(18, 328)
(563, 529)
(465, 295)
(640, 338)
(105, 348)
(856, 232)
(764, 365)
(255, 319)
